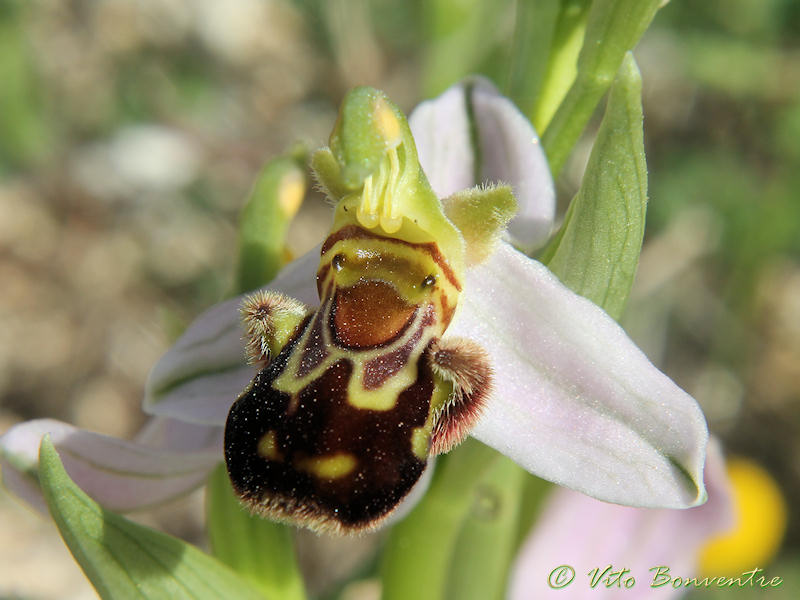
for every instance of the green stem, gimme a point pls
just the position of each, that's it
(613, 28)
(534, 493)
(261, 551)
(562, 59)
(420, 548)
(535, 25)
(487, 541)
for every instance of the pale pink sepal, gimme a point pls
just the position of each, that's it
(574, 400)
(201, 375)
(508, 151)
(585, 534)
(120, 475)
(171, 434)
(24, 485)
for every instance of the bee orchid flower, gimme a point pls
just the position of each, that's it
(572, 400)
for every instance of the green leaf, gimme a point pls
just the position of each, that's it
(485, 546)
(259, 550)
(597, 249)
(273, 203)
(420, 548)
(613, 28)
(123, 559)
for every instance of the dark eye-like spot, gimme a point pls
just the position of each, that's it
(338, 262)
(428, 281)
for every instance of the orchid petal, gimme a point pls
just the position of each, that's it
(585, 534)
(511, 153)
(441, 132)
(201, 375)
(508, 148)
(574, 400)
(121, 475)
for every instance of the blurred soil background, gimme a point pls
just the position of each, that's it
(132, 130)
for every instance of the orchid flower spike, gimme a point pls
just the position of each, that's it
(430, 326)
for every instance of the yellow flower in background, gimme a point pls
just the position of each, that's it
(760, 522)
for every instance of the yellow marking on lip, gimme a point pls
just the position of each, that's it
(420, 441)
(382, 399)
(333, 466)
(268, 447)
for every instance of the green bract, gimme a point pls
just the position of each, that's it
(125, 560)
(597, 249)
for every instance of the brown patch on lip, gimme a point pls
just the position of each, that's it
(382, 367)
(369, 313)
(378, 370)
(314, 351)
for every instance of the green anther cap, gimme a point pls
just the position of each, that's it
(369, 125)
(373, 171)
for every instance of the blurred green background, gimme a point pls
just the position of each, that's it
(131, 131)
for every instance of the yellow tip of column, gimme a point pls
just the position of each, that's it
(387, 123)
